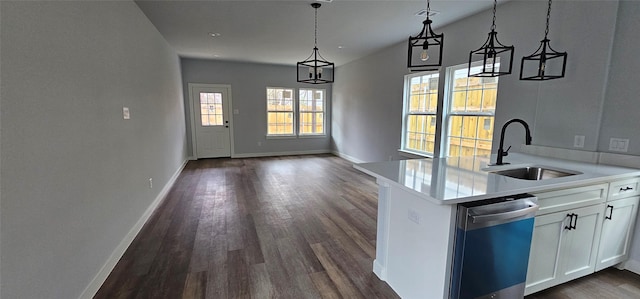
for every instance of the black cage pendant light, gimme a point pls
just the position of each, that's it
(315, 69)
(545, 63)
(493, 55)
(424, 46)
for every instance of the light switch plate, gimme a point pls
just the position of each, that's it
(125, 113)
(236, 111)
(619, 145)
(578, 141)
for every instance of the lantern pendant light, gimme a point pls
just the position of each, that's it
(493, 55)
(315, 69)
(424, 46)
(545, 63)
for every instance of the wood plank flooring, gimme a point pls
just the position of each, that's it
(609, 283)
(286, 227)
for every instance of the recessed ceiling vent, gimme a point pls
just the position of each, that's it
(423, 13)
(325, 1)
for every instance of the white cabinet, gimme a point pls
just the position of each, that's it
(617, 230)
(564, 247)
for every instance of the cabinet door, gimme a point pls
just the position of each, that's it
(617, 229)
(578, 254)
(544, 257)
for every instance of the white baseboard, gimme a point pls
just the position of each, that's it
(275, 154)
(379, 270)
(117, 253)
(347, 157)
(633, 266)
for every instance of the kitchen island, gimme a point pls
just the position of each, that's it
(417, 205)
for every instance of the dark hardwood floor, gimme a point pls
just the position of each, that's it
(286, 227)
(609, 283)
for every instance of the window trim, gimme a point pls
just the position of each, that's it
(406, 98)
(443, 111)
(296, 114)
(324, 114)
(293, 111)
(447, 103)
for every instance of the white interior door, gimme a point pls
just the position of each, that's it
(211, 121)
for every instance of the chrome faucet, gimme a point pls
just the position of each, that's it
(501, 151)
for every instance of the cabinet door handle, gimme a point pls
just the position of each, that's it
(569, 227)
(626, 188)
(610, 212)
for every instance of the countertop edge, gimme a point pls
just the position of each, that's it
(532, 189)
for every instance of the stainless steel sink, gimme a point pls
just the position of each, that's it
(535, 173)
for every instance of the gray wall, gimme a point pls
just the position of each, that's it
(556, 110)
(621, 109)
(249, 82)
(74, 173)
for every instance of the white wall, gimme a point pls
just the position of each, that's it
(249, 82)
(74, 173)
(556, 110)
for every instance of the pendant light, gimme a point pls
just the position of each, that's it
(315, 69)
(493, 54)
(545, 63)
(424, 46)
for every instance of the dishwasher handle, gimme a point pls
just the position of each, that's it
(504, 215)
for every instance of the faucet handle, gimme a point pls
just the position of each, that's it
(506, 152)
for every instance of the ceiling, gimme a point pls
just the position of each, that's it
(281, 32)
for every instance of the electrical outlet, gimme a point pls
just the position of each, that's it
(150, 183)
(414, 216)
(618, 145)
(578, 141)
(259, 143)
(125, 113)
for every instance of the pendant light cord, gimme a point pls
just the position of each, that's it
(315, 41)
(546, 31)
(493, 25)
(428, 9)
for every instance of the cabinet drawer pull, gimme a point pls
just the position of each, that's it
(625, 189)
(610, 212)
(572, 222)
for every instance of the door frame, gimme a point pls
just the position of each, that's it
(194, 140)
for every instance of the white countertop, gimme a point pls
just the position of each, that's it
(463, 179)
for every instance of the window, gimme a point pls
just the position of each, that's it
(472, 106)
(211, 108)
(280, 112)
(311, 107)
(468, 114)
(285, 118)
(421, 103)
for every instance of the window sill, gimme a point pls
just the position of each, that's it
(413, 155)
(281, 136)
(313, 136)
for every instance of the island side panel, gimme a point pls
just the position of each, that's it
(382, 236)
(419, 245)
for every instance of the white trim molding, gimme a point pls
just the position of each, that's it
(275, 154)
(347, 157)
(117, 253)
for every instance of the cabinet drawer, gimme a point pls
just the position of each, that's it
(624, 188)
(571, 198)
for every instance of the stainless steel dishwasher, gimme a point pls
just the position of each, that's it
(492, 244)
